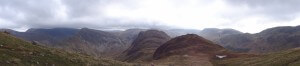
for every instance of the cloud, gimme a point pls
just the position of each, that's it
(60, 13)
(244, 15)
(275, 9)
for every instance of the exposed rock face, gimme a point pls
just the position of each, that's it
(144, 45)
(188, 49)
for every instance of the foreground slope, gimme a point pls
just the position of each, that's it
(284, 58)
(16, 52)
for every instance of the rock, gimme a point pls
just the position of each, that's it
(221, 56)
(30, 53)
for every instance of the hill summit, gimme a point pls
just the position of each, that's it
(188, 49)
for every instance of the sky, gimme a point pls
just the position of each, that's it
(250, 16)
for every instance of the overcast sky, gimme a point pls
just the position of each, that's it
(243, 15)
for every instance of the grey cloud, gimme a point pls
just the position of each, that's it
(80, 13)
(275, 9)
(88, 13)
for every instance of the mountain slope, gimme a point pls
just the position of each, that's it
(89, 41)
(214, 34)
(269, 40)
(128, 36)
(276, 39)
(237, 42)
(94, 42)
(16, 52)
(48, 37)
(144, 45)
(188, 49)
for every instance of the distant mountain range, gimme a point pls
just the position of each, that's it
(17, 52)
(269, 40)
(89, 41)
(167, 47)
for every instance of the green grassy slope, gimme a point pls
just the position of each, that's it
(16, 52)
(284, 58)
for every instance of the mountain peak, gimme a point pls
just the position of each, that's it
(144, 45)
(190, 44)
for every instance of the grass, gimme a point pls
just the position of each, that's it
(17, 52)
(283, 58)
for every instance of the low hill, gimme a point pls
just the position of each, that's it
(17, 52)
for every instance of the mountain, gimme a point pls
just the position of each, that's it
(89, 41)
(269, 40)
(189, 49)
(94, 42)
(143, 47)
(277, 39)
(129, 35)
(214, 34)
(179, 32)
(289, 57)
(237, 42)
(48, 37)
(17, 52)
(8, 30)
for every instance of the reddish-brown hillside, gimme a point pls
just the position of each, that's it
(189, 49)
(187, 44)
